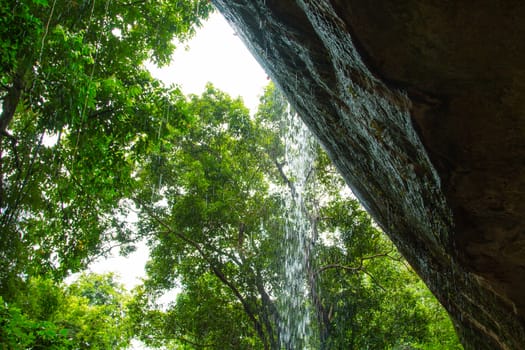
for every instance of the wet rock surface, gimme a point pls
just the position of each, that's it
(420, 105)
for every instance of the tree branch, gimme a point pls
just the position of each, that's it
(217, 272)
(10, 103)
(359, 267)
(285, 178)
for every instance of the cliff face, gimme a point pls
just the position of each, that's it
(420, 105)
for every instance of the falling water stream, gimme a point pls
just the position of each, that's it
(295, 327)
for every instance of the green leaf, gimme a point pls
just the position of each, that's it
(40, 2)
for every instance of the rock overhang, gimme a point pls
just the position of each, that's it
(420, 106)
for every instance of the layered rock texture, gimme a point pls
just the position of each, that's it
(420, 104)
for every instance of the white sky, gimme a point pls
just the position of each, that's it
(214, 55)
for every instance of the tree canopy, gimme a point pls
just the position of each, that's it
(87, 136)
(216, 230)
(87, 314)
(79, 111)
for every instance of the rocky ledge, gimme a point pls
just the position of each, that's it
(420, 105)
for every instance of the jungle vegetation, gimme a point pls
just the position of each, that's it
(89, 138)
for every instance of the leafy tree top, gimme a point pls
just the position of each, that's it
(78, 112)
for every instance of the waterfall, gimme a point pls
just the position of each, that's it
(295, 326)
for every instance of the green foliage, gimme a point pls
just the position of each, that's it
(89, 313)
(87, 135)
(95, 313)
(215, 226)
(205, 315)
(209, 311)
(20, 332)
(79, 112)
(205, 220)
(19, 28)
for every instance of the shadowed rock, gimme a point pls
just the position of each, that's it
(420, 106)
